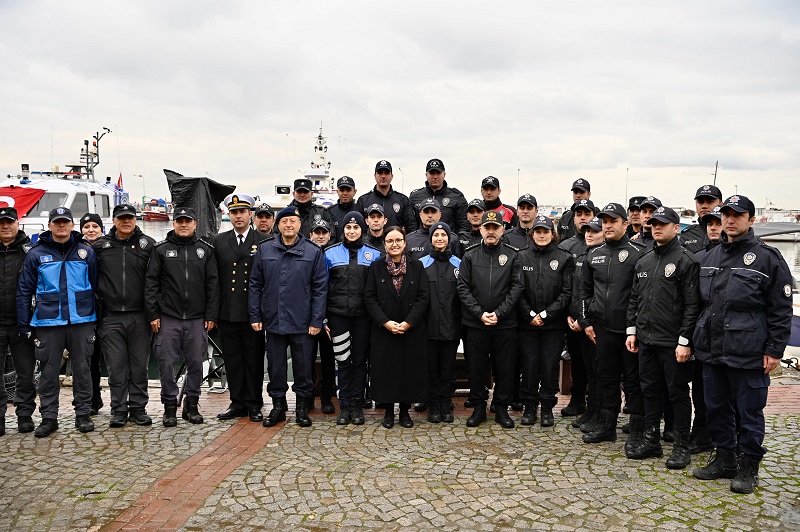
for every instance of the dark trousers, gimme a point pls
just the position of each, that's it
(540, 353)
(327, 381)
(442, 369)
(698, 399)
(243, 353)
(22, 355)
(660, 376)
(50, 343)
(499, 345)
(176, 339)
(94, 368)
(614, 364)
(302, 358)
(729, 391)
(584, 372)
(125, 339)
(350, 336)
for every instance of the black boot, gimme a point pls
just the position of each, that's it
(405, 418)
(606, 428)
(46, 427)
(576, 407)
(420, 407)
(140, 417)
(2, 426)
(637, 432)
(344, 414)
(590, 414)
(356, 413)
(24, 424)
(649, 446)
(278, 412)
(700, 440)
(747, 478)
(502, 418)
(118, 419)
(170, 417)
(327, 405)
(301, 411)
(722, 465)
(84, 423)
(446, 410)
(529, 415)
(478, 415)
(434, 415)
(190, 412)
(547, 416)
(388, 416)
(680, 456)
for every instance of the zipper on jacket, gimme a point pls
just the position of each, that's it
(186, 271)
(124, 251)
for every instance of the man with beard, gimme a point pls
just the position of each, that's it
(635, 215)
(527, 210)
(452, 201)
(396, 206)
(694, 237)
(418, 243)
(264, 219)
(490, 190)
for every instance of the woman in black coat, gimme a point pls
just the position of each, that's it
(396, 298)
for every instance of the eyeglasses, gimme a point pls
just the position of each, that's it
(393, 242)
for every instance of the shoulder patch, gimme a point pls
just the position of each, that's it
(162, 242)
(509, 246)
(473, 246)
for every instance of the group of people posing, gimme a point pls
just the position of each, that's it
(386, 286)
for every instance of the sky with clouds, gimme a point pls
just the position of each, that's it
(651, 92)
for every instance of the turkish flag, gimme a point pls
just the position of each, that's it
(21, 198)
(119, 181)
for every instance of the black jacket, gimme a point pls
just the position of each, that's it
(746, 288)
(645, 238)
(377, 241)
(547, 279)
(469, 238)
(607, 279)
(337, 212)
(444, 311)
(518, 237)
(665, 300)
(182, 280)
(396, 207)
(418, 243)
(694, 238)
(122, 266)
(574, 245)
(309, 213)
(575, 302)
(566, 224)
(348, 264)
(11, 259)
(453, 202)
(234, 264)
(490, 281)
(700, 254)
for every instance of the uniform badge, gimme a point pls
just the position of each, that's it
(749, 258)
(446, 202)
(669, 270)
(787, 290)
(623, 255)
(456, 272)
(368, 255)
(106, 245)
(82, 254)
(396, 207)
(253, 249)
(200, 253)
(26, 247)
(554, 265)
(172, 253)
(37, 342)
(143, 243)
(502, 259)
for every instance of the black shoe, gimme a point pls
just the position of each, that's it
(529, 416)
(649, 445)
(388, 418)
(356, 414)
(434, 415)
(478, 415)
(2, 426)
(95, 408)
(446, 411)
(24, 424)
(547, 417)
(367, 403)
(301, 412)
(46, 427)
(747, 478)
(669, 436)
(517, 406)
(575, 408)
(700, 444)
(190, 412)
(606, 428)
(84, 423)
(469, 403)
(232, 413)
(255, 415)
(636, 436)
(327, 405)
(420, 407)
(170, 419)
(588, 416)
(680, 456)
(140, 417)
(344, 415)
(502, 418)
(722, 465)
(626, 428)
(405, 419)
(118, 419)
(278, 412)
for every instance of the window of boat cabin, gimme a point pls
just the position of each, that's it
(80, 205)
(48, 202)
(101, 206)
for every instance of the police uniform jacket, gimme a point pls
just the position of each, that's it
(694, 238)
(396, 207)
(309, 213)
(418, 243)
(646, 239)
(746, 288)
(337, 212)
(469, 238)
(700, 254)
(519, 237)
(574, 245)
(575, 301)
(444, 311)
(182, 280)
(62, 277)
(566, 224)
(607, 279)
(11, 258)
(507, 212)
(122, 268)
(348, 264)
(489, 280)
(547, 280)
(234, 264)
(452, 200)
(377, 241)
(665, 299)
(288, 286)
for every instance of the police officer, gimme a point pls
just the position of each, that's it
(242, 347)
(182, 304)
(60, 271)
(346, 190)
(707, 198)
(304, 201)
(581, 189)
(490, 190)
(635, 215)
(264, 218)
(376, 225)
(489, 286)
(288, 289)
(472, 235)
(396, 205)
(14, 244)
(124, 332)
(321, 236)
(452, 201)
(527, 210)
(662, 311)
(91, 226)
(418, 243)
(740, 337)
(647, 207)
(607, 279)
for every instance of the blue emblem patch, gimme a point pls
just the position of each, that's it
(46, 258)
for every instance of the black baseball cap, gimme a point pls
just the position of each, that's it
(650, 201)
(434, 165)
(123, 209)
(184, 212)
(375, 207)
(490, 181)
(60, 213)
(264, 208)
(529, 199)
(543, 221)
(595, 224)
(383, 165)
(581, 184)
(585, 204)
(739, 204)
(346, 181)
(708, 191)
(615, 210)
(636, 202)
(716, 213)
(9, 213)
(492, 217)
(302, 184)
(321, 224)
(430, 203)
(665, 215)
(478, 204)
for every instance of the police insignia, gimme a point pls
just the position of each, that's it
(82, 254)
(749, 258)
(172, 253)
(143, 243)
(554, 265)
(106, 245)
(787, 290)
(456, 272)
(317, 217)
(26, 247)
(368, 255)
(623, 255)
(669, 269)
(502, 259)
(396, 207)
(200, 253)
(446, 201)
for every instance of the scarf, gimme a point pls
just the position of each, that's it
(396, 272)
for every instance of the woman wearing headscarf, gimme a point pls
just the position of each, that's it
(396, 298)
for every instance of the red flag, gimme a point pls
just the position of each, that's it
(119, 181)
(21, 198)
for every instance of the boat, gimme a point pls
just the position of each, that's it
(35, 193)
(774, 224)
(156, 211)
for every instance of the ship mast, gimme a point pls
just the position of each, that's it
(319, 172)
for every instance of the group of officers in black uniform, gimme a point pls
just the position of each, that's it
(640, 306)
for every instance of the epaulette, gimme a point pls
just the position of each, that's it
(473, 246)
(454, 189)
(206, 243)
(509, 246)
(637, 244)
(417, 190)
(26, 247)
(370, 246)
(688, 228)
(690, 254)
(161, 242)
(651, 250)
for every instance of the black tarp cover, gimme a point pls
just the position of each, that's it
(201, 194)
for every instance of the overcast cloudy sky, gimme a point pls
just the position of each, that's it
(558, 90)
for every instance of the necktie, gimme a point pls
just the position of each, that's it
(241, 240)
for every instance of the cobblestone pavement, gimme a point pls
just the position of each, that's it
(238, 475)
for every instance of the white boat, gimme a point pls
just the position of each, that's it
(777, 225)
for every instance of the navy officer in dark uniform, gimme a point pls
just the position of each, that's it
(740, 337)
